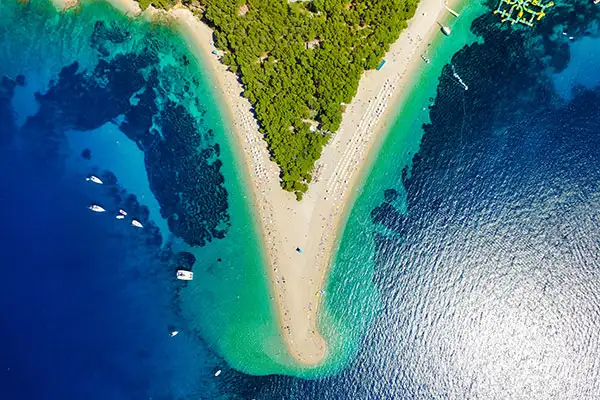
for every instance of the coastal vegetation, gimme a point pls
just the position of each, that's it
(164, 4)
(300, 63)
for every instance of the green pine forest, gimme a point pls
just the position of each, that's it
(300, 62)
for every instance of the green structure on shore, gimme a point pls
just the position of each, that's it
(522, 11)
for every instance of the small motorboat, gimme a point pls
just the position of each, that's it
(120, 216)
(122, 212)
(96, 208)
(218, 373)
(95, 179)
(173, 333)
(184, 275)
(136, 223)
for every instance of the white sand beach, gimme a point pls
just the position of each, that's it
(314, 224)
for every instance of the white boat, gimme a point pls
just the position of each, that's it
(122, 212)
(218, 373)
(136, 223)
(184, 275)
(95, 179)
(119, 216)
(96, 208)
(173, 333)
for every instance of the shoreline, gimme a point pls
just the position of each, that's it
(261, 173)
(128, 7)
(397, 101)
(326, 205)
(298, 279)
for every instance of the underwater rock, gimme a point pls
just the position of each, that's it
(86, 154)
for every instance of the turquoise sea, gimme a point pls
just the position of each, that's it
(469, 266)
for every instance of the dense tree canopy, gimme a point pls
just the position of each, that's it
(299, 62)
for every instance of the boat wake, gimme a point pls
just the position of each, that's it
(458, 78)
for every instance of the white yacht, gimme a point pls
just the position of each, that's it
(120, 216)
(173, 333)
(136, 223)
(122, 212)
(96, 208)
(95, 179)
(185, 275)
(218, 373)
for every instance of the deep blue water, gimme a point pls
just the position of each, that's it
(88, 301)
(73, 323)
(490, 281)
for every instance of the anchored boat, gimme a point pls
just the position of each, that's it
(96, 208)
(184, 275)
(95, 179)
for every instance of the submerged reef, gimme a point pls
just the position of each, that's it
(517, 63)
(125, 89)
(8, 127)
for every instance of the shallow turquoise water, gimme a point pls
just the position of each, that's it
(92, 92)
(353, 301)
(469, 259)
(473, 244)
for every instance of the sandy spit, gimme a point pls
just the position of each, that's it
(312, 225)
